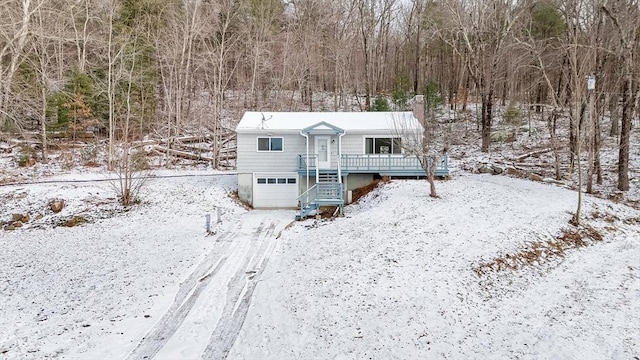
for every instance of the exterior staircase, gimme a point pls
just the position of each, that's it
(326, 192)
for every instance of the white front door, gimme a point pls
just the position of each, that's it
(323, 150)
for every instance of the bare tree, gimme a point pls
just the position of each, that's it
(263, 21)
(375, 17)
(113, 54)
(14, 34)
(175, 44)
(541, 40)
(624, 15)
(122, 75)
(580, 65)
(479, 32)
(80, 18)
(219, 49)
(47, 30)
(418, 138)
(130, 179)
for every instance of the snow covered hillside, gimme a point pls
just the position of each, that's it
(401, 276)
(394, 279)
(67, 290)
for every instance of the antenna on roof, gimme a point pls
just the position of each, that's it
(264, 121)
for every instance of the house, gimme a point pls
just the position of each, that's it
(310, 159)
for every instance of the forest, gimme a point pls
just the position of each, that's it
(133, 70)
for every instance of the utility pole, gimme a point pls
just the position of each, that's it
(591, 85)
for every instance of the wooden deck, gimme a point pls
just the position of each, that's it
(383, 164)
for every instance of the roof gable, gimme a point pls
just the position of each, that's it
(322, 127)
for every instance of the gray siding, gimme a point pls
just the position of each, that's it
(245, 187)
(250, 160)
(353, 144)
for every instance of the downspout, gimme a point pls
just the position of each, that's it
(307, 157)
(340, 157)
(344, 193)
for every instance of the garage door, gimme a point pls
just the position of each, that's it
(275, 190)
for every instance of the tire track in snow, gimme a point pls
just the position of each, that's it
(188, 294)
(239, 299)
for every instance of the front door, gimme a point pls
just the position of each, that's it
(323, 150)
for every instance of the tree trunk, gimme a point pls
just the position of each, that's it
(597, 140)
(613, 114)
(487, 115)
(573, 139)
(43, 120)
(623, 155)
(551, 124)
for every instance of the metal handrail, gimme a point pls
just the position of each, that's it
(374, 162)
(329, 191)
(304, 198)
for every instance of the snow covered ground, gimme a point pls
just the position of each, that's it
(96, 289)
(393, 279)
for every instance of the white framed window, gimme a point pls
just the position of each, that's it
(270, 143)
(382, 145)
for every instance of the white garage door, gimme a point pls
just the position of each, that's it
(275, 190)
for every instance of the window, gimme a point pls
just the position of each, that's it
(270, 144)
(276, 181)
(382, 145)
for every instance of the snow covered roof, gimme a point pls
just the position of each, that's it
(348, 121)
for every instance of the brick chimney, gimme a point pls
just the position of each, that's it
(418, 108)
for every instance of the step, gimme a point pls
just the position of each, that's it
(332, 178)
(307, 210)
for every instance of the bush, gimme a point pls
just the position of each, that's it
(503, 136)
(24, 157)
(432, 96)
(89, 152)
(139, 161)
(512, 116)
(67, 159)
(380, 104)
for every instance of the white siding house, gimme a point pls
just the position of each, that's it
(298, 159)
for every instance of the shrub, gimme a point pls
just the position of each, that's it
(432, 96)
(139, 161)
(89, 152)
(24, 157)
(380, 104)
(512, 116)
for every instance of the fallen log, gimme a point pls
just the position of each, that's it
(533, 153)
(192, 148)
(181, 154)
(191, 138)
(532, 165)
(141, 143)
(71, 135)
